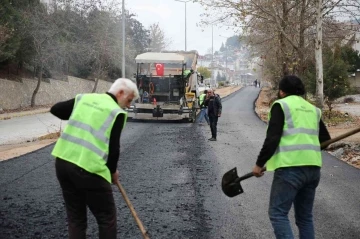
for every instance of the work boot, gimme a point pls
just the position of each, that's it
(212, 139)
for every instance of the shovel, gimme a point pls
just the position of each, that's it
(133, 212)
(230, 183)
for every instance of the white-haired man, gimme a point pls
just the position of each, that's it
(87, 153)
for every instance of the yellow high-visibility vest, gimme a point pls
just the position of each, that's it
(201, 98)
(299, 144)
(85, 140)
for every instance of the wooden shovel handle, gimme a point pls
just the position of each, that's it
(133, 212)
(340, 137)
(323, 145)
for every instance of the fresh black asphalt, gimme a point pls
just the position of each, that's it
(172, 175)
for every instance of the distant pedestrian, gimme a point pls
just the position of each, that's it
(255, 83)
(292, 149)
(87, 153)
(213, 103)
(203, 108)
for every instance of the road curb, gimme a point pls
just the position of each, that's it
(7, 116)
(254, 107)
(225, 97)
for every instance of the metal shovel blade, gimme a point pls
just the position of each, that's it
(230, 183)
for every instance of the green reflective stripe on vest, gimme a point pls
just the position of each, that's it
(100, 134)
(109, 120)
(287, 148)
(300, 131)
(85, 144)
(299, 144)
(290, 124)
(288, 119)
(85, 140)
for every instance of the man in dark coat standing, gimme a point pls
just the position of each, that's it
(213, 103)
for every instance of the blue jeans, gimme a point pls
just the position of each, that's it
(293, 185)
(203, 115)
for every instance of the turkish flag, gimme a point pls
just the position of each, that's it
(159, 69)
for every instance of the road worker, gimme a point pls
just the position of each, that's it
(292, 149)
(203, 109)
(87, 153)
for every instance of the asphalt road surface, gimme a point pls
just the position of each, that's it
(172, 175)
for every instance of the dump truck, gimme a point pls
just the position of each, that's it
(168, 85)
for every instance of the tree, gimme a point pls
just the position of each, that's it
(139, 39)
(335, 75)
(106, 47)
(318, 56)
(42, 32)
(218, 77)
(139, 35)
(234, 42)
(9, 40)
(204, 71)
(158, 42)
(222, 48)
(285, 30)
(351, 57)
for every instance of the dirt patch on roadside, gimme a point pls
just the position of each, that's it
(16, 150)
(225, 91)
(9, 151)
(348, 149)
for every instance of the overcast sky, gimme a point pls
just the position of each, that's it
(171, 16)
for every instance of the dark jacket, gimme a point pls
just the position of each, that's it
(214, 105)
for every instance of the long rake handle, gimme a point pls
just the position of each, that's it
(340, 137)
(323, 145)
(133, 212)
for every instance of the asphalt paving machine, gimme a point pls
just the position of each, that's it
(168, 84)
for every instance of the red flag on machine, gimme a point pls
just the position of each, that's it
(159, 69)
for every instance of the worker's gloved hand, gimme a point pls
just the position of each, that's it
(257, 171)
(115, 177)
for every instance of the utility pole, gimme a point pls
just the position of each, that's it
(212, 54)
(226, 54)
(123, 42)
(185, 28)
(212, 44)
(185, 21)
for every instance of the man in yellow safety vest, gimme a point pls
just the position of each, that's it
(292, 149)
(87, 153)
(203, 109)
